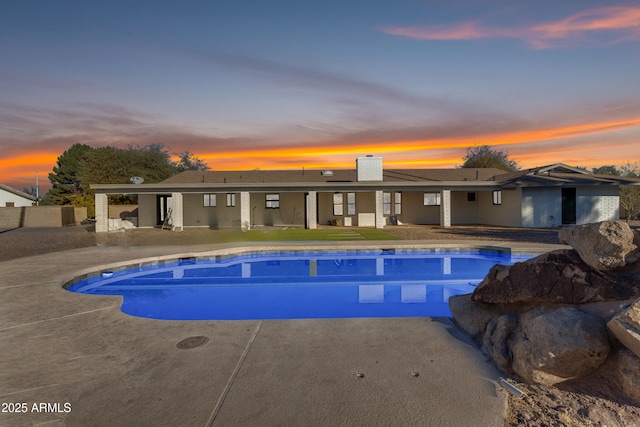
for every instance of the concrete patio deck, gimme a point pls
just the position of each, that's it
(90, 364)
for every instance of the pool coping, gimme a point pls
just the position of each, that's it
(116, 369)
(230, 250)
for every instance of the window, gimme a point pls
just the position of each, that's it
(231, 199)
(10, 204)
(471, 197)
(210, 200)
(497, 197)
(273, 201)
(432, 199)
(386, 203)
(351, 203)
(337, 204)
(398, 203)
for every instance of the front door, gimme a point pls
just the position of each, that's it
(568, 206)
(163, 204)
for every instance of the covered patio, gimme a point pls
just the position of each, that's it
(243, 206)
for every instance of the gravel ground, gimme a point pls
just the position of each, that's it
(22, 242)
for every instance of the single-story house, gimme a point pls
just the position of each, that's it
(371, 196)
(12, 198)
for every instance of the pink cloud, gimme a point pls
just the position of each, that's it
(616, 24)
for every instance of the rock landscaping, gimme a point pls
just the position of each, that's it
(568, 318)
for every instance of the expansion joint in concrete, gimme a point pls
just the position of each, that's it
(232, 378)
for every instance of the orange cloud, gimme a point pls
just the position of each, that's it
(32, 160)
(586, 144)
(621, 22)
(463, 31)
(21, 170)
(430, 152)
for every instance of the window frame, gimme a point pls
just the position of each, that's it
(338, 204)
(386, 203)
(208, 198)
(272, 200)
(397, 203)
(496, 197)
(351, 203)
(437, 199)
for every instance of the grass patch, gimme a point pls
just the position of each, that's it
(339, 234)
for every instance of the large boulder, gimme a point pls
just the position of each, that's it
(470, 316)
(496, 342)
(559, 277)
(626, 327)
(606, 245)
(628, 374)
(546, 345)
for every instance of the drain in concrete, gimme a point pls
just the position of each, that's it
(192, 342)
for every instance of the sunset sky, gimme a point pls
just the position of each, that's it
(292, 84)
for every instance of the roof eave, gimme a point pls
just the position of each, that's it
(290, 186)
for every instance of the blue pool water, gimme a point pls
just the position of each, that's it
(298, 285)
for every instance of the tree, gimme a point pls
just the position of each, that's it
(80, 166)
(630, 201)
(188, 162)
(631, 170)
(32, 190)
(485, 156)
(112, 165)
(630, 194)
(65, 178)
(606, 170)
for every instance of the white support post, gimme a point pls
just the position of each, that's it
(379, 210)
(446, 265)
(102, 213)
(245, 210)
(177, 212)
(379, 266)
(312, 210)
(445, 208)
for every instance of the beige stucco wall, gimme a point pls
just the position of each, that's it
(198, 215)
(462, 210)
(147, 210)
(220, 216)
(365, 203)
(325, 208)
(415, 212)
(509, 213)
(290, 212)
(123, 211)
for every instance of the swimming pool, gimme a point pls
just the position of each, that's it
(294, 285)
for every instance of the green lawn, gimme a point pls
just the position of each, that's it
(341, 234)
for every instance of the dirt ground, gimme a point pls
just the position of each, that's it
(585, 403)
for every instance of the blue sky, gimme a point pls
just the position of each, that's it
(246, 84)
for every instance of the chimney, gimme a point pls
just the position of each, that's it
(369, 168)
